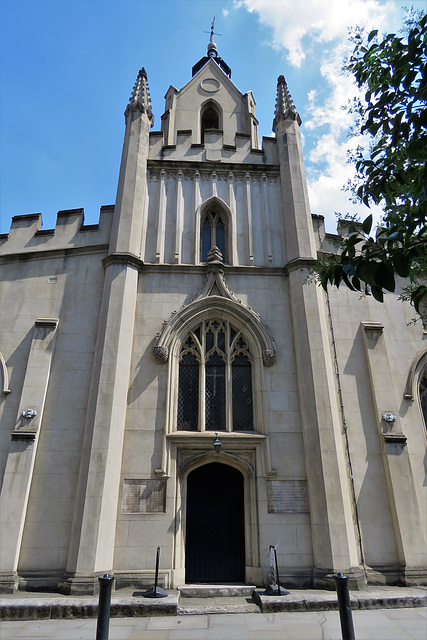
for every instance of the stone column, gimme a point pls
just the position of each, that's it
(331, 508)
(95, 514)
(23, 449)
(410, 536)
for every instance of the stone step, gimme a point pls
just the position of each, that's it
(208, 606)
(216, 590)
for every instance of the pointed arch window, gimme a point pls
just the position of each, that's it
(423, 395)
(209, 119)
(215, 379)
(213, 234)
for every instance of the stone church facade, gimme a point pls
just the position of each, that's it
(182, 320)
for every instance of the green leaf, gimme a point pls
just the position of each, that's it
(367, 224)
(356, 283)
(419, 297)
(384, 276)
(377, 293)
(401, 264)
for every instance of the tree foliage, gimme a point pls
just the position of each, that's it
(392, 73)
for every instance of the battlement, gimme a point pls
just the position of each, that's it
(213, 149)
(26, 234)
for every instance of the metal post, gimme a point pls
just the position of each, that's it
(102, 628)
(156, 592)
(156, 577)
(275, 589)
(344, 606)
(277, 571)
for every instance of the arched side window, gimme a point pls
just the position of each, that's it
(213, 234)
(215, 379)
(423, 395)
(209, 119)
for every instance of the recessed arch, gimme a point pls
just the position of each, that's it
(215, 306)
(418, 365)
(416, 384)
(210, 117)
(215, 204)
(242, 460)
(215, 524)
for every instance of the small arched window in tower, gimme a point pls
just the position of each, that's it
(215, 380)
(213, 234)
(423, 395)
(210, 120)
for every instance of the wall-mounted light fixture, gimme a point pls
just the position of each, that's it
(217, 443)
(29, 413)
(389, 417)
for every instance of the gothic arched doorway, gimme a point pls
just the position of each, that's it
(215, 538)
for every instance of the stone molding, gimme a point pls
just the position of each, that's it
(123, 258)
(417, 366)
(215, 297)
(43, 254)
(190, 168)
(299, 263)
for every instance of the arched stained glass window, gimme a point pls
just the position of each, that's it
(215, 392)
(188, 392)
(215, 380)
(242, 392)
(213, 234)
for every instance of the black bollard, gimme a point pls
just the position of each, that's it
(344, 606)
(156, 592)
(272, 589)
(103, 626)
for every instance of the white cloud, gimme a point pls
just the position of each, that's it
(315, 35)
(323, 21)
(327, 172)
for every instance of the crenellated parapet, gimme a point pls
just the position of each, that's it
(213, 148)
(27, 236)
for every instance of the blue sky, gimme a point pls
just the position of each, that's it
(68, 67)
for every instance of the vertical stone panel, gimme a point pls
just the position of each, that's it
(410, 537)
(22, 454)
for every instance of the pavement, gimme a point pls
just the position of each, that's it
(129, 603)
(377, 624)
(379, 613)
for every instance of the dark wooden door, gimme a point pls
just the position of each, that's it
(215, 538)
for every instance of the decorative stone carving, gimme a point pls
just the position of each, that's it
(215, 255)
(269, 357)
(140, 99)
(161, 354)
(215, 295)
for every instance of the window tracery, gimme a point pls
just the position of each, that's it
(213, 234)
(215, 379)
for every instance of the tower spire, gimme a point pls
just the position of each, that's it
(212, 54)
(285, 107)
(212, 48)
(140, 99)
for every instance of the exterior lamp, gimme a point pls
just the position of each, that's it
(217, 443)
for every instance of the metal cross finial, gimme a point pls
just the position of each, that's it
(212, 32)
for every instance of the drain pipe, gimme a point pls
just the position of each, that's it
(344, 423)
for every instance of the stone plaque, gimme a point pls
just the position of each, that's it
(144, 496)
(287, 496)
